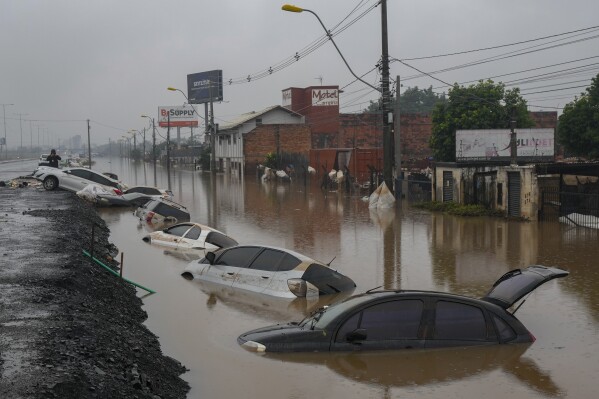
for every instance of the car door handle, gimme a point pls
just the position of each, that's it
(265, 277)
(230, 274)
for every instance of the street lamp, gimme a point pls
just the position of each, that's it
(153, 142)
(211, 131)
(5, 142)
(384, 90)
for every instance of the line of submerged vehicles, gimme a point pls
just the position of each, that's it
(372, 320)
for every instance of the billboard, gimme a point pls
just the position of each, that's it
(286, 98)
(325, 97)
(494, 145)
(180, 116)
(205, 87)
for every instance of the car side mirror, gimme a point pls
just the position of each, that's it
(210, 256)
(359, 334)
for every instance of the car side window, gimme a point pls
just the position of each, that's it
(289, 262)
(220, 240)
(459, 321)
(268, 260)
(387, 321)
(505, 332)
(178, 230)
(194, 233)
(83, 174)
(239, 257)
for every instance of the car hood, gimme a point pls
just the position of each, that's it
(517, 283)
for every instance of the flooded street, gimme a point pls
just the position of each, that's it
(405, 248)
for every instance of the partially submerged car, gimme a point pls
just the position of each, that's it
(162, 210)
(380, 320)
(269, 270)
(153, 192)
(98, 195)
(74, 179)
(190, 236)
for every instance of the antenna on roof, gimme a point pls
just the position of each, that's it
(319, 78)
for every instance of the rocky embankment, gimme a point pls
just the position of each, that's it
(69, 328)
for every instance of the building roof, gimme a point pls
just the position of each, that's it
(244, 118)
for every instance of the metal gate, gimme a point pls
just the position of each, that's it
(513, 193)
(447, 186)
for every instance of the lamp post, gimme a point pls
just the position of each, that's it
(5, 142)
(21, 127)
(153, 142)
(384, 90)
(211, 131)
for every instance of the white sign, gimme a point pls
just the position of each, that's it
(184, 116)
(481, 145)
(325, 97)
(286, 98)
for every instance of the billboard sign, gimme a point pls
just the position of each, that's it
(205, 87)
(494, 145)
(325, 97)
(180, 116)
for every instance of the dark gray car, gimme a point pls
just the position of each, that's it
(409, 319)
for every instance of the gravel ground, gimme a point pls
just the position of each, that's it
(68, 328)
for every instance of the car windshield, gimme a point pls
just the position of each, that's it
(323, 316)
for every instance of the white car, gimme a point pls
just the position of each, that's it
(153, 192)
(190, 236)
(269, 270)
(74, 179)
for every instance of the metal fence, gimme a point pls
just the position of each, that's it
(419, 190)
(572, 208)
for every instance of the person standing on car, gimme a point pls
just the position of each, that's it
(53, 159)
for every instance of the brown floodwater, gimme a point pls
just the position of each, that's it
(198, 324)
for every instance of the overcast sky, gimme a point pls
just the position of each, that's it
(65, 61)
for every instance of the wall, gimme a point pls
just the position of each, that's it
(286, 138)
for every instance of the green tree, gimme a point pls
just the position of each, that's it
(484, 105)
(412, 101)
(578, 127)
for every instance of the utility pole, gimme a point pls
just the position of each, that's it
(5, 141)
(143, 157)
(89, 145)
(513, 142)
(30, 137)
(212, 141)
(168, 150)
(154, 146)
(397, 142)
(387, 115)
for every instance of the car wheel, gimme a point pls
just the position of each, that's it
(50, 183)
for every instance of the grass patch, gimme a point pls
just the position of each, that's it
(453, 208)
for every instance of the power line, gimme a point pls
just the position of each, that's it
(499, 46)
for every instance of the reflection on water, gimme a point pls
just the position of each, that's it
(402, 248)
(426, 367)
(277, 310)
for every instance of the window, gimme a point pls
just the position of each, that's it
(194, 233)
(289, 262)
(229, 139)
(144, 190)
(258, 121)
(220, 240)
(84, 174)
(268, 260)
(459, 321)
(178, 230)
(387, 321)
(506, 333)
(239, 257)
(234, 139)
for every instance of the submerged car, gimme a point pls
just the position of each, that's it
(269, 270)
(162, 210)
(379, 320)
(75, 179)
(153, 192)
(190, 236)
